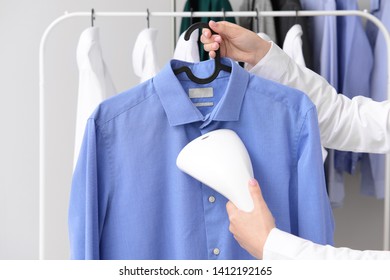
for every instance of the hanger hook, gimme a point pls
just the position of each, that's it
(218, 66)
(92, 17)
(257, 20)
(192, 18)
(224, 14)
(147, 17)
(296, 16)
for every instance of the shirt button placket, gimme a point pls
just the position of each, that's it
(211, 199)
(212, 208)
(216, 251)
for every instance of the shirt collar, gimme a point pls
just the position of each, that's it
(176, 103)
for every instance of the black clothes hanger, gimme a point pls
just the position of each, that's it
(252, 8)
(93, 17)
(192, 18)
(218, 65)
(147, 18)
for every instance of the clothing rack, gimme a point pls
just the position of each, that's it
(42, 155)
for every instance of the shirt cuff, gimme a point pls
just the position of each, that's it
(279, 246)
(273, 65)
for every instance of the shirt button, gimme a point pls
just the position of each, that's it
(216, 251)
(211, 199)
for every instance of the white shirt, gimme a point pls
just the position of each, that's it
(144, 54)
(95, 83)
(292, 44)
(361, 125)
(187, 50)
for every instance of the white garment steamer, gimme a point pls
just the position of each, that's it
(220, 160)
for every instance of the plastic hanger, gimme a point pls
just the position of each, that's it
(93, 17)
(192, 18)
(218, 65)
(147, 18)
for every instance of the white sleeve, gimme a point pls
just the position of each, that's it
(285, 246)
(359, 124)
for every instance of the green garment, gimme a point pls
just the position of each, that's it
(205, 6)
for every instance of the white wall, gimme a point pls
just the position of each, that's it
(359, 223)
(22, 24)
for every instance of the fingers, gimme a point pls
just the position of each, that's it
(255, 192)
(256, 195)
(214, 26)
(220, 27)
(210, 42)
(230, 208)
(211, 47)
(206, 34)
(208, 39)
(232, 211)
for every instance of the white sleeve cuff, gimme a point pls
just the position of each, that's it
(284, 246)
(273, 65)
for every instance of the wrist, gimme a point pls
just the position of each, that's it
(262, 49)
(264, 241)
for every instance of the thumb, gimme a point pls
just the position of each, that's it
(219, 27)
(255, 192)
(231, 208)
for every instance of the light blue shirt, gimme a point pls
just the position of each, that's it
(355, 66)
(325, 54)
(323, 32)
(130, 201)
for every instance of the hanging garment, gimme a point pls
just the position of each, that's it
(145, 55)
(368, 133)
(187, 50)
(266, 24)
(373, 177)
(323, 32)
(205, 6)
(95, 83)
(292, 45)
(355, 61)
(130, 201)
(376, 9)
(283, 24)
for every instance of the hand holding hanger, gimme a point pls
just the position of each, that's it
(218, 65)
(232, 42)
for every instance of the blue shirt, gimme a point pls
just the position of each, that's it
(130, 201)
(355, 66)
(325, 52)
(323, 32)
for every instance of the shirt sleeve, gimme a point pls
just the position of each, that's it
(87, 203)
(314, 214)
(281, 245)
(358, 124)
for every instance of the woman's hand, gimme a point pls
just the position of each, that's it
(234, 41)
(251, 229)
